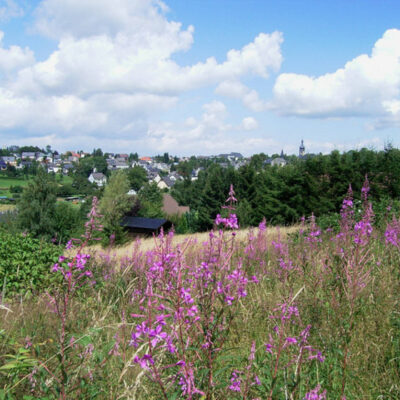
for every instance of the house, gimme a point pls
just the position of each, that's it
(67, 168)
(231, 157)
(153, 177)
(279, 161)
(166, 183)
(51, 167)
(120, 163)
(171, 206)
(9, 160)
(3, 165)
(98, 178)
(174, 176)
(149, 226)
(162, 166)
(28, 155)
(39, 156)
(24, 164)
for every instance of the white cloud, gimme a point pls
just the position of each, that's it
(210, 134)
(113, 70)
(10, 9)
(237, 90)
(249, 124)
(365, 86)
(14, 58)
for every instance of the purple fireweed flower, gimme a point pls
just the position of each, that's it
(145, 362)
(56, 268)
(231, 199)
(289, 341)
(392, 233)
(318, 356)
(157, 335)
(269, 347)
(185, 295)
(192, 311)
(313, 394)
(235, 382)
(231, 222)
(263, 225)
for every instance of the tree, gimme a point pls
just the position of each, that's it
(97, 153)
(67, 221)
(114, 204)
(37, 205)
(137, 177)
(151, 199)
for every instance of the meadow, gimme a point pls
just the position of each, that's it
(6, 182)
(266, 313)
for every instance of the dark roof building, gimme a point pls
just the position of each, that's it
(145, 225)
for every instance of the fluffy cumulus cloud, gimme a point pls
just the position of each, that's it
(209, 134)
(237, 90)
(368, 85)
(113, 70)
(14, 58)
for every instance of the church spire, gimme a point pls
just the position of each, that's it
(302, 149)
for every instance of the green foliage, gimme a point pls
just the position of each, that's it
(327, 221)
(316, 184)
(25, 263)
(16, 189)
(137, 177)
(67, 221)
(114, 204)
(150, 198)
(37, 206)
(66, 190)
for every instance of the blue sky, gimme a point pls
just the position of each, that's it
(200, 76)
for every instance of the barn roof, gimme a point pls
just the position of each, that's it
(143, 223)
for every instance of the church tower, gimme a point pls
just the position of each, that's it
(302, 149)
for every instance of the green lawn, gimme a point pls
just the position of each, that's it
(6, 182)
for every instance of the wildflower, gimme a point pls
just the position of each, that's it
(235, 382)
(268, 348)
(144, 361)
(313, 394)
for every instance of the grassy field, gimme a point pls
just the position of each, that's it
(269, 314)
(6, 182)
(148, 244)
(298, 313)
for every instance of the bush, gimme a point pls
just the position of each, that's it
(67, 221)
(16, 189)
(25, 263)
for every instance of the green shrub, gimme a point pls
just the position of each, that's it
(25, 263)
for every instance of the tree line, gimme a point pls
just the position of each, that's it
(315, 184)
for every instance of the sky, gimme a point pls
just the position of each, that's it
(200, 77)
